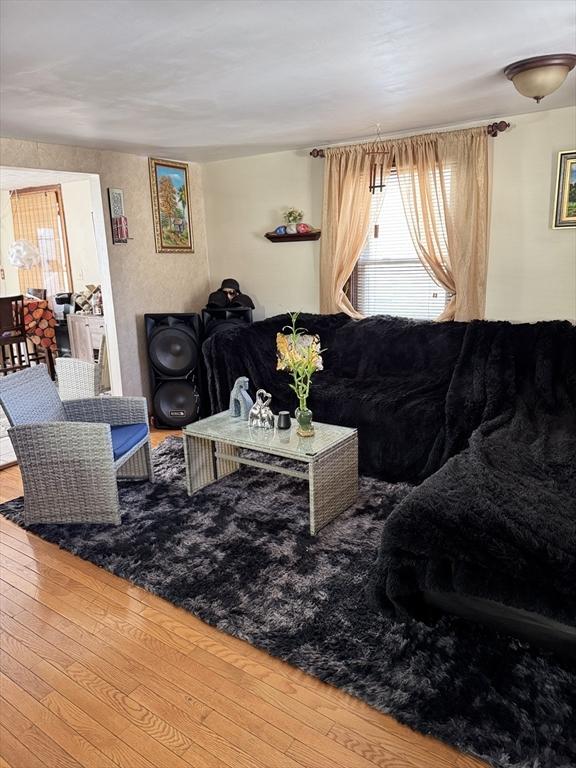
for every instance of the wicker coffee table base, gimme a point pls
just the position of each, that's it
(332, 475)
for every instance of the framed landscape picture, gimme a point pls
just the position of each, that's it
(565, 204)
(170, 209)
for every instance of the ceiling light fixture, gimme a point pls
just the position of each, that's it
(541, 75)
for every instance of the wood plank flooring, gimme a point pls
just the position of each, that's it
(97, 673)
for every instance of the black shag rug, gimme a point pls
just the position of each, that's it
(238, 555)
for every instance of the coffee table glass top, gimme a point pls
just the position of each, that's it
(282, 441)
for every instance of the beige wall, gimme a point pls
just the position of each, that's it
(142, 280)
(532, 267)
(10, 283)
(246, 198)
(77, 202)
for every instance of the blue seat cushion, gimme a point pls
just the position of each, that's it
(126, 436)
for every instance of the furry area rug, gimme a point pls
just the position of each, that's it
(238, 555)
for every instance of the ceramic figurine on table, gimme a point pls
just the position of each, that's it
(261, 416)
(240, 400)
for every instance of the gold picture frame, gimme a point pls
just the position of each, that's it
(565, 198)
(169, 190)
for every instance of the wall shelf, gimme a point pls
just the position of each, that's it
(274, 238)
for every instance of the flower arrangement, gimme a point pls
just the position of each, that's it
(293, 216)
(299, 353)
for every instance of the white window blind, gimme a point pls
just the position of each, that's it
(389, 277)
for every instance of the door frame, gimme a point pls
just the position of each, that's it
(52, 177)
(106, 284)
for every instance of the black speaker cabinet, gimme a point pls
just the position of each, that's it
(175, 361)
(216, 319)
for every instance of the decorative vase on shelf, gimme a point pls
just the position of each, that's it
(292, 217)
(304, 418)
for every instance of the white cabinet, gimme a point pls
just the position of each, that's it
(86, 332)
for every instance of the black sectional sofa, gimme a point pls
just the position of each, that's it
(481, 418)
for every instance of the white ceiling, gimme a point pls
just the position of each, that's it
(210, 79)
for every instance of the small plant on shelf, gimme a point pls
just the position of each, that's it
(293, 216)
(293, 228)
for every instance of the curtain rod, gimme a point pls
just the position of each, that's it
(492, 130)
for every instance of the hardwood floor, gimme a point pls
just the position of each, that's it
(96, 672)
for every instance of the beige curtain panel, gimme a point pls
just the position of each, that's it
(345, 220)
(444, 185)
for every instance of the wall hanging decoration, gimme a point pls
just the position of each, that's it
(118, 220)
(293, 229)
(170, 208)
(565, 203)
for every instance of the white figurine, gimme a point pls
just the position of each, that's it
(261, 415)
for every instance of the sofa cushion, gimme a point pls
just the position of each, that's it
(380, 345)
(400, 419)
(126, 436)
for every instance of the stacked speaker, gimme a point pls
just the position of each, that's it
(174, 354)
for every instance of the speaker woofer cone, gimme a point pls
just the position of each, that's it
(173, 350)
(177, 403)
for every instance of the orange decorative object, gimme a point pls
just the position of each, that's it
(39, 323)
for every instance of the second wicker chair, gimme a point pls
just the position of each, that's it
(72, 452)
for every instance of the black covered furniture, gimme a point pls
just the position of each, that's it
(481, 417)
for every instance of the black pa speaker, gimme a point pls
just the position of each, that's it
(174, 356)
(216, 319)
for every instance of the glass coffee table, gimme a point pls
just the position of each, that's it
(330, 458)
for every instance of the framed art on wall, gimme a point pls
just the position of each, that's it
(170, 209)
(118, 219)
(565, 203)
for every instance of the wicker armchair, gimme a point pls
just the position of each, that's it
(71, 453)
(79, 378)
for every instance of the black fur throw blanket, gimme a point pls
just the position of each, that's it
(482, 415)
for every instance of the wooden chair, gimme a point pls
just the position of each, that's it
(14, 354)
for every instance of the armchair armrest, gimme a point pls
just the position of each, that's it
(108, 410)
(58, 446)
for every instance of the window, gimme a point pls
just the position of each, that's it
(38, 217)
(389, 278)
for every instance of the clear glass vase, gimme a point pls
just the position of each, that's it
(304, 418)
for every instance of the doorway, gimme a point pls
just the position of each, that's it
(60, 214)
(38, 218)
